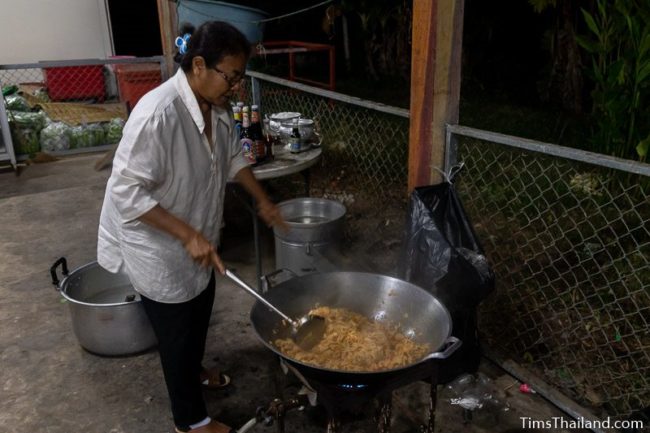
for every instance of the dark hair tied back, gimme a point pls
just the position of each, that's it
(212, 40)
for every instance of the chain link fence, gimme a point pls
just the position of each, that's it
(569, 239)
(366, 143)
(567, 232)
(64, 106)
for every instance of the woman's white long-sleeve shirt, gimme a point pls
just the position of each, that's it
(164, 158)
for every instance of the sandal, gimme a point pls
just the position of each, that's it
(214, 379)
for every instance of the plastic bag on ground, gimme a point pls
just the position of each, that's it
(87, 136)
(25, 128)
(475, 394)
(113, 130)
(16, 102)
(55, 137)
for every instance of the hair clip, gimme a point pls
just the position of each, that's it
(181, 43)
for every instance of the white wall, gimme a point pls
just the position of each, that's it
(35, 30)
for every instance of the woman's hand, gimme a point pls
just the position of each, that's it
(199, 248)
(266, 209)
(203, 252)
(271, 215)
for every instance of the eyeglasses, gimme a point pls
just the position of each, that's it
(232, 81)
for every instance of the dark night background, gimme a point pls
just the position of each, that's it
(502, 41)
(505, 58)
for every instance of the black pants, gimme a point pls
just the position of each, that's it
(181, 330)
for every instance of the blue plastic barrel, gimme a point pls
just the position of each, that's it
(244, 18)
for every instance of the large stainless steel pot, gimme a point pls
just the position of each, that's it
(421, 316)
(107, 314)
(315, 230)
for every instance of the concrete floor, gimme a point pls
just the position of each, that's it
(50, 384)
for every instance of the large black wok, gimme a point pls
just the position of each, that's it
(420, 315)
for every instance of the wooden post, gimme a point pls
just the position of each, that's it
(168, 32)
(435, 85)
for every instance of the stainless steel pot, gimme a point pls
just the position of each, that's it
(420, 315)
(315, 230)
(276, 119)
(305, 128)
(107, 314)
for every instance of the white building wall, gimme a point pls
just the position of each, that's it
(35, 30)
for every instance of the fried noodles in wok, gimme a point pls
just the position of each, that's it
(353, 342)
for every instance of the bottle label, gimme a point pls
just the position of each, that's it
(294, 144)
(260, 150)
(248, 150)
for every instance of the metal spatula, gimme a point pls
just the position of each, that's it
(306, 332)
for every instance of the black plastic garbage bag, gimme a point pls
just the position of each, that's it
(441, 251)
(442, 254)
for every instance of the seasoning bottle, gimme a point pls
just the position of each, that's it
(246, 140)
(294, 139)
(236, 114)
(257, 136)
(268, 139)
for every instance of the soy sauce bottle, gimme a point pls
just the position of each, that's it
(257, 136)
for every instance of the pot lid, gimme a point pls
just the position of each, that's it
(297, 122)
(285, 115)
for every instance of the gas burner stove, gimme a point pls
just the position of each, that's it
(342, 399)
(350, 400)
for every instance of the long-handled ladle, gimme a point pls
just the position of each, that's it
(306, 332)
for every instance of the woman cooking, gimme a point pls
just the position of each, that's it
(163, 207)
